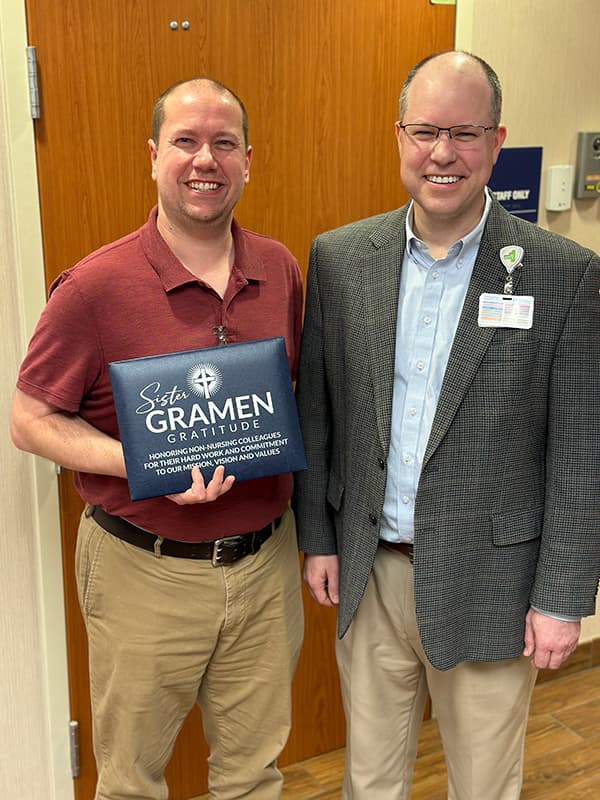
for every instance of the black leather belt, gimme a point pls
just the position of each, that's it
(406, 548)
(220, 551)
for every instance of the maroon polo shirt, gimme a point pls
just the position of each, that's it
(134, 298)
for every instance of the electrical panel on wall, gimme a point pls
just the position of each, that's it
(587, 180)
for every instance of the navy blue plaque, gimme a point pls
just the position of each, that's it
(231, 405)
(515, 180)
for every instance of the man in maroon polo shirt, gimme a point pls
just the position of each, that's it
(167, 631)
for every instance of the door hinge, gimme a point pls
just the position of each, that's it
(74, 747)
(32, 78)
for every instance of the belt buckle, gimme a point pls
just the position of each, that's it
(216, 552)
(219, 546)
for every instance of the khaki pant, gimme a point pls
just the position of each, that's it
(481, 707)
(165, 633)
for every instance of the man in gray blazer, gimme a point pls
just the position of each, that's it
(448, 394)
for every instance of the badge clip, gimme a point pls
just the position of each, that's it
(511, 257)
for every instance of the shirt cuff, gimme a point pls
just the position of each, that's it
(559, 617)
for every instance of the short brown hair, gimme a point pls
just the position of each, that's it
(158, 113)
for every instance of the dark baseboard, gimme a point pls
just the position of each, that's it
(586, 656)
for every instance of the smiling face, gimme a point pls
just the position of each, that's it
(447, 183)
(200, 162)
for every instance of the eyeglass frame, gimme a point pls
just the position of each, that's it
(484, 129)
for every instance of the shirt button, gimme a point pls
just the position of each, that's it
(427, 320)
(406, 500)
(420, 366)
(435, 275)
(407, 458)
(412, 412)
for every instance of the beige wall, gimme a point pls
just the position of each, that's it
(546, 54)
(34, 761)
(545, 63)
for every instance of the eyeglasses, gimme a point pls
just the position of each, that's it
(462, 136)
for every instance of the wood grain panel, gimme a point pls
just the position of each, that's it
(320, 79)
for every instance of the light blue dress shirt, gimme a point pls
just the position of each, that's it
(432, 293)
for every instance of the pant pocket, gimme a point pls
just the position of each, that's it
(88, 552)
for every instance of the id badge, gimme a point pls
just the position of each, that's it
(505, 311)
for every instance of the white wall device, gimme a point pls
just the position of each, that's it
(559, 187)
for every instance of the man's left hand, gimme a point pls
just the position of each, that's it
(201, 493)
(548, 641)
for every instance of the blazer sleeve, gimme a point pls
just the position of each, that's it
(316, 533)
(568, 567)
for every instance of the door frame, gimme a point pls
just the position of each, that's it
(30, 289)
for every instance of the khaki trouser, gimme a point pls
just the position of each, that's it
(165, 633)
(481, 707)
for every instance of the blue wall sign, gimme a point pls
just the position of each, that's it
(515, 180)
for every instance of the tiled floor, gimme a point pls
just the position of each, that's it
(562, 756)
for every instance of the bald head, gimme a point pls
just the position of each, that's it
(196, 86)
(464, 66)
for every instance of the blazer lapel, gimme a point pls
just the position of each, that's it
(471, 341)
(381, 284)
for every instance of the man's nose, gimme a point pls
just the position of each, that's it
(204, 156)
(443, 147)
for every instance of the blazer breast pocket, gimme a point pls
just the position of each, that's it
(511, 346)
(509, 363)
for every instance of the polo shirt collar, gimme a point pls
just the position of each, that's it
(171, 271)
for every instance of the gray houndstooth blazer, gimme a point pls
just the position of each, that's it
(508, 503)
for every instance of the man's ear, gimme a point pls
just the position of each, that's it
(153, 150)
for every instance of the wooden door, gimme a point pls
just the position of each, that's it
(320, 79)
